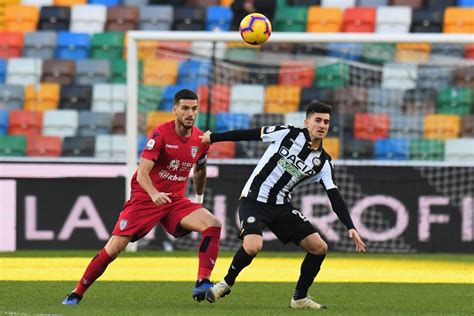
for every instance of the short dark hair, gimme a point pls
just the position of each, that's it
(185, 94)
(318, 107)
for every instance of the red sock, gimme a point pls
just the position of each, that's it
(94, 270)
(208, 251)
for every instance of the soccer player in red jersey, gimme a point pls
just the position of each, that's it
(158, 196)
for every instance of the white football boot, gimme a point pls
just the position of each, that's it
(218, 290)
(306, 302)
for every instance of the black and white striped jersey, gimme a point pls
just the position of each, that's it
(287, 163)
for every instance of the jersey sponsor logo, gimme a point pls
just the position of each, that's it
(172, 177)
(171, 146)
(194, 151)
(251, 220)
(316, 161)
(174, 164)
(150, 144)
(294, 165)
(123, 224)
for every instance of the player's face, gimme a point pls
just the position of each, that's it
(317, 125)
(186, 111)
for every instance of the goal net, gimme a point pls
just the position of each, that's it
(397, 99)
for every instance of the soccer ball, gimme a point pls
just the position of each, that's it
(255, 29)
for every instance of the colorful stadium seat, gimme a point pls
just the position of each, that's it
(3, 70)
(60, 123)
(440, 4)
(24, 71)
(54, 19)
(4, 118)
(201, 122)
(297, 73)
(149, 98)
(88, 18)
(189, 18)
(433, 76)
(412, 53)
(399, 76)
(461, 149)
(231, 121)
(358, 149)
(333, 75)
(12, 44)
(359, 20)
(426, 149)
(78, 146)
(247, 98)
(372, 3)
(458, 20)
(118, 123)
(222, 150)
(381, 100)
(343, 4)
(441, 126)
(38, 3)
(76, 97)
(11, 97)
(73, 45)
(332, 146)
(393, 19)
(94, 123)
(464, 77)
(167, 98)
(156, 18)
(419, 101)
(108, 97)
(350, 100)
(59, 71)
(295, 119)
(91, 71)
(324, 19)
(406, 126)
(156, 118)
(19, 18)
(370, 126)
(465, 3)
(122, 18)
(111, 147)
(446, 52)
(108, 45)
(218, 18)
(455, 101)
(291, 19)
(40, 44)
(160, 71)
(427, 21)
(27, 123)
(42, 97)
(44, 146)
(281, 98)
(108, 3)
(310, 94)
(348, 51)
(414, 4)
(12, 145)
(392, 149)
(194, 71)
(467, 126)
(378, 53)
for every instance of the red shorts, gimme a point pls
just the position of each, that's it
(139, 216)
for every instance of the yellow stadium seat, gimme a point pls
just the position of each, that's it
(68, 3)
(19, 18)
(42, 97)
(333, 147)
(459, 20)
(282, 98)
(226, 3)
(324, 19)
(156, 118)
(412, 52)
(442, 126)
(160, 71)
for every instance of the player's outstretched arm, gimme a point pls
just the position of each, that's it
(231, 136)
(143, 178)
(354, 235)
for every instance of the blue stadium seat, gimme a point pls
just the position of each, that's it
(230, 121)
(350, 51)
(3, 122)
(194, 72)
(73, 45)
(108, 3)
(141, 142)
(3, 70)
(218, 18)
(465, 3)
(392, 149)
(166, 103)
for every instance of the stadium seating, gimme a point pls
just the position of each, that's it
(372, 3)
(19, 18)
(109, 97)
(349, 51)
(12, 145)
(331, 75)
(94, 123)
(27, 123)
(88, 18)
(441, 126)
(393, 19)
(433, 77)
(78, 146)
(280, 99)
(464, 77)
(458, 20)
(69, 2)
(332, 145)
(59, 71)
(3, 70)
(467, 126)
(118, 123)
(11, 97)
(296, 73)
(231, 121)
(4, 117)
(295, 119)
(391, 149)
(122, 18)
(399, 76)
(218, 18)
(91, 71)
(324, 19)
(455, 101)
(73, 45)
(189, 18)
(156, 118)
(108, 45)
(419, 101)
(343, 4)
(413, 53)
(222, 150)
(60, 123)
(54, 18)
(369, 126)
(160, 72)
(41, 97)
(12, 44)
(192, 71)
(358, 149)
(156, 18)
(24, 71)
(40, 44)
(44, 146)
(247, 99)
(38, 3)
(359, 20)
(427, 21)
(291, 19)
(440, 4)
(426, 149)
(111, 147)
(461, 149)
(76, 97)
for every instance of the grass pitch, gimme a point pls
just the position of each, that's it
(163, 297)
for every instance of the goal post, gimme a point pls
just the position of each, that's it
(359, 74)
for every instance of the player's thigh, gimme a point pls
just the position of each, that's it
(253, 217)
(199, 220)
(117, 244)
(314, 244)
(291, 225)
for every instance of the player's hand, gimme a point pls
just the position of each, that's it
(354, 235)
(161, 198)
(206, 137)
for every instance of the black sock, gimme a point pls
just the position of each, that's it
(202, 281)
(309, 269)
(240, 261)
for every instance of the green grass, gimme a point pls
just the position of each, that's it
(174, 298)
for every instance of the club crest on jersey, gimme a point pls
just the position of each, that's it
(194, 151)
(150, 144)
(123, 224)
(316, 161)
(174, 164)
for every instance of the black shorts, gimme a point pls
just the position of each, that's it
(287, 223)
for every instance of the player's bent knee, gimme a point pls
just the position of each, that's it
(213, 222)
(252, 248)
(320, 248)
(116, 245)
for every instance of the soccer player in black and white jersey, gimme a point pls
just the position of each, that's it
(295, 156)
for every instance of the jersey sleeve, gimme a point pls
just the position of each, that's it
(270, 134)
(203, 158)
(153, 147)
(326, 176)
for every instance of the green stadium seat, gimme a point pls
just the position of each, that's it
(149, 98)
(291, 19)
(426, 149)
(108, 45)
(12, 145)
(378, 53)
(455, 101)
(331, 76)
(201, 122)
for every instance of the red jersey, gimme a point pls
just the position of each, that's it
(174, 156)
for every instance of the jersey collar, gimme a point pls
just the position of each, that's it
(308, 140)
